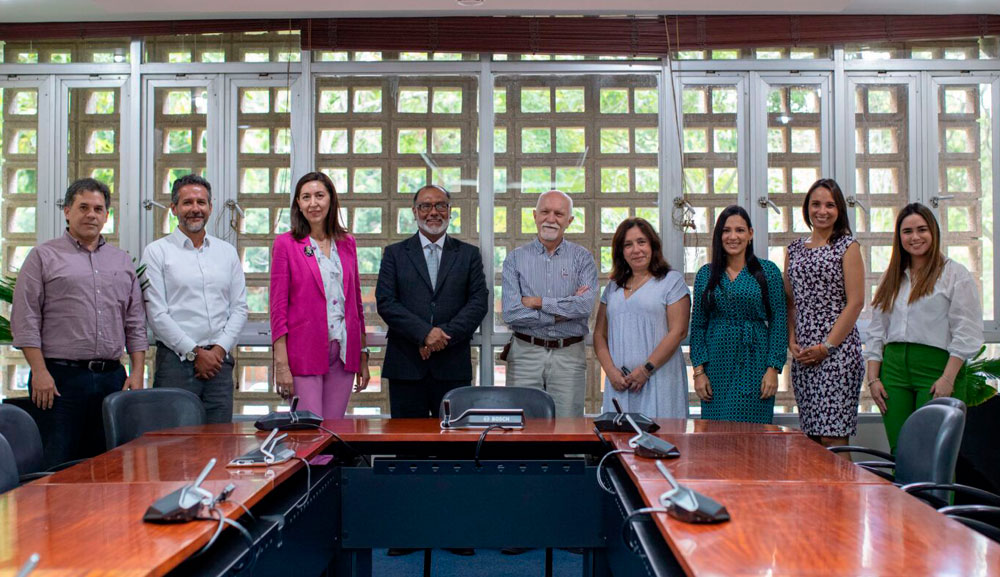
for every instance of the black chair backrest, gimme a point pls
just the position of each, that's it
(8, 467)
(948, 402)
(537, 404)
(25, 440)
(928, 445)
(129, 414)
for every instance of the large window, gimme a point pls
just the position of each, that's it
(625, 137)
(595, 137)
(380, 139)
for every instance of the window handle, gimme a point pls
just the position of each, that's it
(853, 201)
(765, 202)
(936, 200)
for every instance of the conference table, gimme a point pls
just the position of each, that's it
(796, 508)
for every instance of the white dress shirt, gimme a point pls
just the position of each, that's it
(950, 318)
(195, 296)
(332, 272)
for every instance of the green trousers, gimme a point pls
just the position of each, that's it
(908, 372)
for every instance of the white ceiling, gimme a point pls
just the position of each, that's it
(103, 10)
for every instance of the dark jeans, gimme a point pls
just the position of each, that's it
(74, 427)
(215, 393)
(418, 399)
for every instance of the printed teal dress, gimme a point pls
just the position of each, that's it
(737, 342)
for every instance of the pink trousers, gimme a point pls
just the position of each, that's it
(326, 395)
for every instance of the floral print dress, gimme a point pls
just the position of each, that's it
(827, 393)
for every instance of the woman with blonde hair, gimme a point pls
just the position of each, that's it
(927, 321)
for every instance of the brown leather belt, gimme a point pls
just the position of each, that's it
(552, 344)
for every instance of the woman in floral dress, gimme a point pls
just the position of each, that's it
(824, 281)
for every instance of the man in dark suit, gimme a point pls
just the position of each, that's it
(432, 294)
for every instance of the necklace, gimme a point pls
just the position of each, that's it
(636, 285)
(324, 245)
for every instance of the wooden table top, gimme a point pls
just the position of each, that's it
(732, 458)
(96, 528)
(429, 430)
(181, 458)
(828, 529)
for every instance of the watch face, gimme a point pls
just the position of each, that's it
(191, 355)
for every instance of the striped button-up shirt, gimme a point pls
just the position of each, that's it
(76, 304)
(531, 271)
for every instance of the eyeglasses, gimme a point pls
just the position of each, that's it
(438, 206)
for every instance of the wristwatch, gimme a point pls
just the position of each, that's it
(650, 367)
(191, 355)
(829, 348)
(366, 351)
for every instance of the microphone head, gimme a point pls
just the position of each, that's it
(295, 403)
(447, 408)
(618, 407)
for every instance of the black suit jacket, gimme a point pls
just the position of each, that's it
(411, 308)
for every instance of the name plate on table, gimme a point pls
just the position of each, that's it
(483, 418)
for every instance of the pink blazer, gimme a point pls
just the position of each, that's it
(298, 305)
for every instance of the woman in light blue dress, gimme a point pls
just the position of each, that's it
(641, 322)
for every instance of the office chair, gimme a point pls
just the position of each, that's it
(130, 414)
(8, 466)
(16, 423)
(927, 449)
(948, 402)
(537, 404)
(29, 453)
(982, 515)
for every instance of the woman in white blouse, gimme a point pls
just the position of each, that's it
(927, 321)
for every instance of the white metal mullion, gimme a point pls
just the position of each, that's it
(670, 161)
(927, 146)
(993, 327)
(486, 198)
(303, 117)
(756, 191)
(840, 112)
(130, 180)
(59, 161)
(744, 191)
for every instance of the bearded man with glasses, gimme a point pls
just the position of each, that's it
(432, 295)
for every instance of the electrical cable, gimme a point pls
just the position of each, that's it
(346, 445)
(305, 498)
(600, 465)
(479, 444)
(632, 546)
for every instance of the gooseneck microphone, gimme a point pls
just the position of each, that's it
(182, 505)
(28, 566)
(271, 452)
(615, 422)
(650, 446)
(688, 505)
(289, 421)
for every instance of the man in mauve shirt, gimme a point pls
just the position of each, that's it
(77, 306)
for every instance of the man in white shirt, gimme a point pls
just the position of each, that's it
(196, 302)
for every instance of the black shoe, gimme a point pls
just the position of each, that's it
(515, 550)
(463, 551)
(573, 550)
(399, 551)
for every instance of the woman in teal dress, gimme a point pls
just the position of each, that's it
(739, 334)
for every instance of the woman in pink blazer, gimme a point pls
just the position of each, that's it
(317, 319)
